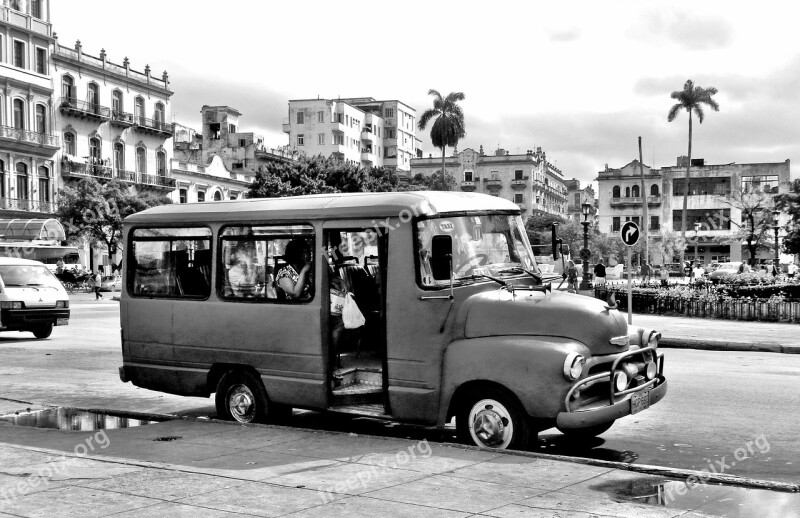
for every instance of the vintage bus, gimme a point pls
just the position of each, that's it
(234, 298)
(38, 239)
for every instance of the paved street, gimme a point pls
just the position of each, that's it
(717, 401)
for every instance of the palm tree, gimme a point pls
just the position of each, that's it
(691, 99)
(448, 128)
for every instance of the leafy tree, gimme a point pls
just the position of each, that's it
(790, 204)
(434, 182)
(691, 99)
(541, 222)
(667, 246)
(94, 210)
(448, 128)
(606, 246)
(318, 175)
(755, 228)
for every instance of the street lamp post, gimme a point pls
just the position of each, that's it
(585, 254)
(775, 225)
(696, 230)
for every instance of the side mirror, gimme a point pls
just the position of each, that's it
(555, 241)
(441, 257)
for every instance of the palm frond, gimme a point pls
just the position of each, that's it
(426, 117)
(673, 112)
(698, 110)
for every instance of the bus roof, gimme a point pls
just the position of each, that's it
(331, 206)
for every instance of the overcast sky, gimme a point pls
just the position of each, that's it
(581, 79)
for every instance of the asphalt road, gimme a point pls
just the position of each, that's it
(734, 411)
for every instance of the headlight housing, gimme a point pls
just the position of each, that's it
(652, 341)
(620, 381)
(62, 304)
(11, 304)
(573, 366)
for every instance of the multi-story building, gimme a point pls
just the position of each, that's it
(28, 140)
(360, 131)
(528, 180)
(709, 201)
(220, 162)
(576, 197)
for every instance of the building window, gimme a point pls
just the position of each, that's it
(764, 183)
(217, 196)
(41, 60)
(19, 54)
(321, 139)
(388, 112)
(494, 175)
(214, 131)
(710, 219)
(44, 186)
(654, 223)
(716, 186)
(19, 114)
(519, 197)
(138, 110)
(242, 142)
(182, 196)
(116, 101)
(300, 117)
(95, 151)
(300, 140)
(93, 97)
(627, 192)
(320, 116)
(2, 179)
(518, 174)
(161, 163)
(201, 196)
(22, 181)
(615, 192)
(615, 224)
(41, 119)
(231, 128)
(635, 191)
(68, 88)
(338, 140)
(141, 160)
(467, 176)
(119, 156)
(654, 190)
(158, 115)
(69, 143)
(36, 8)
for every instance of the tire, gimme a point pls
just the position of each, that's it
(589, 432)
(42, 331)
(241, 397)
(490, 417)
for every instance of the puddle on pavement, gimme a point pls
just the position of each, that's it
(71, 419)
(711, 499)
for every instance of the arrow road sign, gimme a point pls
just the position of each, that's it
(630, 233)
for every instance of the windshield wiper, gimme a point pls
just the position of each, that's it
(520, 269)
(501, 282)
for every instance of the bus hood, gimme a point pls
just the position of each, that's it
(35, 297)
(555, 314)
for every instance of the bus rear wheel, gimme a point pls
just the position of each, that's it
(42, 331)
(241, 397)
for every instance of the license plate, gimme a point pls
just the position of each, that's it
(62, 321)
(640, 401)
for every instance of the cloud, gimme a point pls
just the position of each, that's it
(691, 32)
(564, 35)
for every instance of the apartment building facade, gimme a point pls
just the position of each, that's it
(528, 180)
(709, 208)
(576, 197)
(28, 140)
(361, 131)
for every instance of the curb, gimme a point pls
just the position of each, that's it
(718, 345)
(646, 469)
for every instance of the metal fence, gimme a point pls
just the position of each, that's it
(732, 309)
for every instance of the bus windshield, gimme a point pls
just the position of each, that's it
(495, 245)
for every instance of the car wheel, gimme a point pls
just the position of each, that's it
(241, 397)
(42, 331)
(589, 432)
(490, 417)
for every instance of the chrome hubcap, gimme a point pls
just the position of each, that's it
(241, 403)
(490, 424)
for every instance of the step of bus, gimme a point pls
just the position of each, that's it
(357, 394)
(375, 410)
(358, 376)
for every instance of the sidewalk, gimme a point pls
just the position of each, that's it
(195, 468)
(716, 334)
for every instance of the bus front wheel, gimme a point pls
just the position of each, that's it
(42, 331)
(241, 397)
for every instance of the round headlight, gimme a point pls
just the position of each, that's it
(620, 381)
(653, 340)
(573, 366)
(651, 370)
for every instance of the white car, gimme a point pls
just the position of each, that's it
(725, 269)
(31, 298)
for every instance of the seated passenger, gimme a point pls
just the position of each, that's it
(294, 278)
(242, 275)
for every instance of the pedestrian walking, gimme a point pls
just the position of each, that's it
(572, 277)
(98, 280)
(646, 272)
(600, 273)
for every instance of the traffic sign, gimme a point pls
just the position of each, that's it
(630, 233)
(585, 254)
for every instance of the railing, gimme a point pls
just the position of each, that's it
(121, 117)
(85, 107)
(154, 124)
(108, 172)
(28, 205)
(32, 137)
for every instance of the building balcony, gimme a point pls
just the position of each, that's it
(366, 135)
(72, 169)
(522, 205)
(621, 202)
(467, 186)
(121, 119)
(367, 156)
(84, 110)
(39, 144)
(338, 127)
(519, 184)
(391, 142)
(390, 161)
(154, 126)
(27, 205)
(493, 185)
(287, 128)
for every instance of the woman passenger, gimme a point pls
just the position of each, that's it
(293, 278)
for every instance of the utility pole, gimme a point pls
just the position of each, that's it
(645, 223)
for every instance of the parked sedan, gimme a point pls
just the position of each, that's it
(111, 283)
(725, 269)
